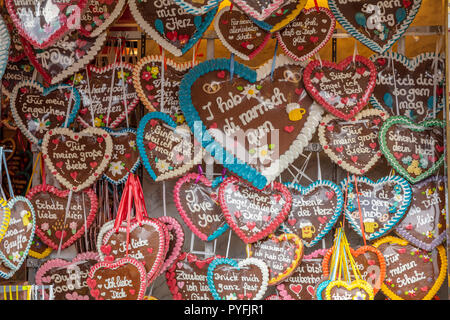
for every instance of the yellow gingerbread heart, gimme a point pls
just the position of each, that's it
(356, 290)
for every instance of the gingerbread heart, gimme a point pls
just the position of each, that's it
(77, 159)
(157, 20)
(375, 23)
(5, 42)
(53, 227)
(68, 278)
(239, 34)
(307, 33)
(282, 254)
(281, 17)
(176, 241)
(36, 109)
(256, 124)
(259, 9)
(15, 73)
(342, 89)
(100, 108)
(166, 150)
(43, 22)
(65, 57)
(197, 203)
(382, 204)
(353, 145)
(99, 15)
(415, 151)
(406, 87)
(124, 279)
(315, 209)
(411, 273)
(424, 223)
(356, 290)
(243, 280)
(197, 7)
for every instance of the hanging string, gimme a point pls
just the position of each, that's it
(317, 56)
(69, 107)
(231, 66)
(319, 169)
(164, 199)
(317, 5)
(355, 52)
(88, 74)
(33, 172)
(360, 212)
(435, 80)
(228, 244)
(392, 65)
(125, 102)
(86, 242)
(111, 89)
(69, 199)
(274, 61)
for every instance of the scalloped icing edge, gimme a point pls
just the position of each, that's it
(320, 46)
(227, 44)
(182, 67)
(169, 260)
(116, 13)
(264, 14)
(439, 281)
(238, 265)
(38, 255)
(401, 211)
(5, 42)
(196, 11)
(152, 33)
(118, 264)
(64, 194)
(291, 237)
(337, 212)
(67, 132)
(391, 159)
(344, 164)
(44, 92)
(361, 284)
(6, 217)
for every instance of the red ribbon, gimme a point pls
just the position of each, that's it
(317, 6)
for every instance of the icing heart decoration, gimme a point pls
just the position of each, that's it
(418, 76)
(243, 280)
(253, 214)
(239, 34)
(58, 19)
(166, 150)
(36, 109)
(15, 73)
(125, 156)
(353, 145)
(16, 242)
(378, 34)
(147, 79)
(100, 108)
(195, 202)
(415, 151)
(281, 253)
(65, 57)
(261, 9)
(77, 159)
(356, 290)
(224, 115)
(197, 7)
(424, 223)
(99, 15)
(68, 278)
(124, 279)
(39, 249)
(157, 20)
(303, 37)
(383, 204)
(187, 278)
(342, 89)
(411, 273)
(5, 42)
(315, 209)
(176, 241)
(50, 205)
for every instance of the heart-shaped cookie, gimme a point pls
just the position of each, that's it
(43, 22)
(413, 91)
(125, 156)
(77, 159)
(253, 214)
(5, 42)
(147, 78)
(197, 202)
(411, 273)
(415, 151)
(383, 203)
(99, 15)
(239, 34)
(15, 73)
(171, 27)
(176, 241)
(166, 150)
(36, 109)
(424, 223)
(342, 89)
(307, 33)
(124, 279)
(65, 57)
(68, 278)
(315, 209)
(243, 280)
(187, 278)
(254, 125)
(375, 23)
(197, 7)
(353, 145)
(356, 290)
(282, 254)
(17, 240)
(99, 107)
(259, 9)
(52, 225)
